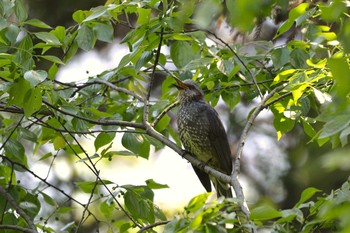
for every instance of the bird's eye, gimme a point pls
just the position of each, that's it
(191, 87)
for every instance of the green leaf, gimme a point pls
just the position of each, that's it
(154, 185)
(282, 124)
(144, 59)
(60, 33)
(6, 175)
(59, 142)
(45, 156)
(110, 154)
(197, 202)
(47, 37)
(85, 38)
(64, 210)
(107, 209)
(181, 53)
(340, 70)
(306, 195)
(293, 15)
(280, 57)
(97, 12)
(137, 144)
(309, 130)
(298, 58)
(205, 11)
(94, 156)
(139, 207)
(335, 125)
(26, 134)
(104, 32)
(10, 34)
(31, 205)
(20, 10)
(37, 23)
(32, 101)
(80, 15)
(344, 136)
(18, 91)
(103, 139)
(231, 98)
(265, 212)
(143, 15)
(53, 59)
(49, 200)
(15, 151)
(332, 11)
(72, 50)
(88, 186)
(24, 54)
(35, 76)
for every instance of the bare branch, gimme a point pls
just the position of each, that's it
(18, 228)
(99, 121)
(149, 89)
(44, 181)
(236, 163)
(240, 60)
(120, 89)
(165, 111)
(18, 209)
(145, 228)
(249, 124)
(88, 203)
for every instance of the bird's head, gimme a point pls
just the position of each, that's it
(189, 91)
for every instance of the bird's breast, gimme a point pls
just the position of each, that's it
(194, 131)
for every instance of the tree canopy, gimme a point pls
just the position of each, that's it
(299, 76)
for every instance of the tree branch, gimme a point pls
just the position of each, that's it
(99, 121)
(18, 228)
(237, 163)
(88, 203)
(165, 111)
(120, 89)
(18, 209)
(145, 228)
(44, 181)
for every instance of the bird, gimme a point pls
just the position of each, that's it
(203, 135)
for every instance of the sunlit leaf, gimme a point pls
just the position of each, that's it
(306, 195)
(37, 23)
(265, 212)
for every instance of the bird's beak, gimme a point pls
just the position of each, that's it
(180, 85)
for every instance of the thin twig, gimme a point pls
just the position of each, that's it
(145, 228)
(116, 88)
(44, 181)
(94, 170)
(165, 111)
(14, 129)
(249, 124)
(18, 228)
(240, 60)
(88, 203)
(42, 123)
(99, 121)
(149, 89)
(18, 209)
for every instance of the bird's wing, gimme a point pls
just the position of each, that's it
(219, 142)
